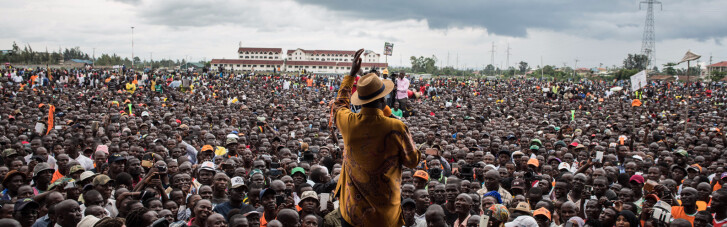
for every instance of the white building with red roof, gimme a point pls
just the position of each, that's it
(314, 61)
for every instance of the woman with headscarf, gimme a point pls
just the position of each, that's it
(500, 215)
(627, 218)
(489, 199)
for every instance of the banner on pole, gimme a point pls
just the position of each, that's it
(638, 80)
(388, 48)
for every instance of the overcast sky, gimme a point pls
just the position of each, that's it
(593, 31)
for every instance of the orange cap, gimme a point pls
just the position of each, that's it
(421, 174)
(207, 148)
(534, 162)
(542, 211)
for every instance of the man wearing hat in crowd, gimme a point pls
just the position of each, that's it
(12, 181)
(117, 164)
(238, 192)
(421, 178)
(42, 175)
(105, 185)
(26, 212)
(377, 146)
(408, 207)
(521, 216)
(309, 204)
(231, 146)
(542, 217)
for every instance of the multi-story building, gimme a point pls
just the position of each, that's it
(314, 61)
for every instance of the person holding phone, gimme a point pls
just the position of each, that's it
(376, 149)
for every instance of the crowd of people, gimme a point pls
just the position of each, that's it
(110, 148)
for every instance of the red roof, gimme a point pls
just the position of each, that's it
(290, 63)
(323, 63)
(260, 49)
(246, 62)
(313, 52)
(719, 64)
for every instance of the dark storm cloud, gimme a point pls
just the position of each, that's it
(513, 17)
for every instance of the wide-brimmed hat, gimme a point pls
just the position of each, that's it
(369, 88)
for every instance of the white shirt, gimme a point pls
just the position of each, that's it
(86, 162)
(51, 160)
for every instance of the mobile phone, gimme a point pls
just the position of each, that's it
(275, 172)
(147, 161)
(599, 156)
(431, 151)
(485, 218)
(279, 199)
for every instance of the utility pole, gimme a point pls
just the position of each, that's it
(507, 62)
(575, 67)
(447, 58)
(492, 52)
(132, 47)
(457, 60)
(648, 43)
(94, 57)
(542, 67)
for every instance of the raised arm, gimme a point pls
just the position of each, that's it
(344, 92)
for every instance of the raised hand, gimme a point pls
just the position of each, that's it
(356, 63)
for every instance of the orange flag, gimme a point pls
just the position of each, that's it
(51, 112)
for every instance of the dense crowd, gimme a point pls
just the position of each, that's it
(103, 147)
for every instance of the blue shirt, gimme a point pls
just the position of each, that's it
(224, 208)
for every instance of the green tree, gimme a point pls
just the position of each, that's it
(636, 61)
(523, 66)
(717, 76)
(669, 68)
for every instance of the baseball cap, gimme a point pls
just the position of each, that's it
(116, 157)
(26, 203)
(723, 175)
(638, 178)
(76, 168)
(517, 153)
(13, 173)
(408, 201)
(683, 152)
(209, 166)
(309, 195)
(564, 166)
(9, 152)
(297, 170)
(266, 191)
(207, 148)
(542, 211)
(534, 162)
(421, 174)
(251, 213)
(695, 167)
(237, 182)
(101, 179)
(85, 175)
(534, 147)
(40, 167)
(518, 183)
(573, 144)
(637, 157)
(230, 141)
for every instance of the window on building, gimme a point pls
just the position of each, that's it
(238, 65)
